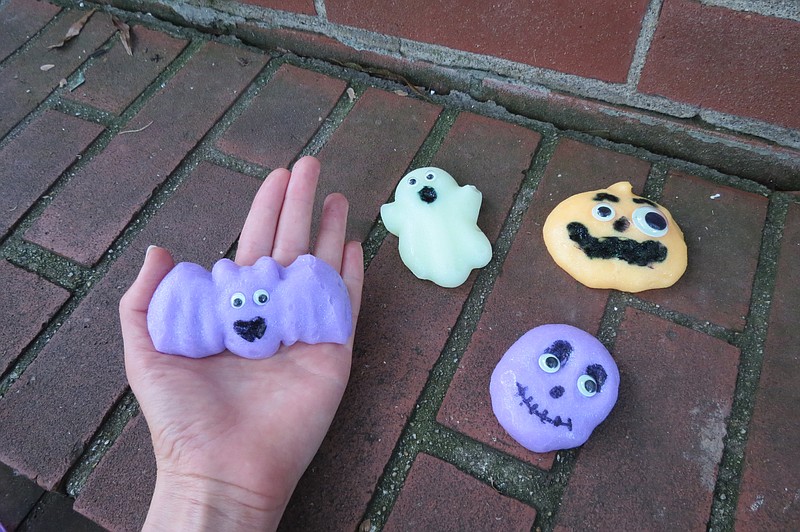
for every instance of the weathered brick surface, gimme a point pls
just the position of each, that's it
(722, 227)
(55, 512)
(52, 411)
(103, 197)
(22, 82)
(27, 303)
(118, 493)
(115, 79)
(20, 20)
(298, 6)
(771, 482)
(653, 463)
(403, 327)
(730, 61)
(283, 117)
(437, 496)
(33, 161)
(370, 152)
(18, 496)
(532, 290)
(588, 38)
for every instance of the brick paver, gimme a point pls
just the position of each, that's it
(708, 366)
(19, 20)
(152, 53)
(532, 290)
(730, 61)
(588, 38)
(437, 496)
(27, 303)
(653, 462)
(35, 159)
(24, 84)
(103, 197)
(770, 489)
(722, 227)
(127, 472)
(283, 117)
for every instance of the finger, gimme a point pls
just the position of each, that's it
(294, 225)
(330, 239)
(133, 305)
(258, 232)
(353, 277)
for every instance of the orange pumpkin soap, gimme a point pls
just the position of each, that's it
(612, 238)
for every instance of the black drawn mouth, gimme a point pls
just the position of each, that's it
(427, 194)
(533, 409)
(251, 330)
(611, 247)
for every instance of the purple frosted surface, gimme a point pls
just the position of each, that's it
(197, 313)
(545, 410)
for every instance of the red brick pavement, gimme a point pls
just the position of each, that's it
(418, 390)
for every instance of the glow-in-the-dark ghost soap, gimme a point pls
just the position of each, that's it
(612, 238)
(553, 387)
(249, 310)
(437, 224)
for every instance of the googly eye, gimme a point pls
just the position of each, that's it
(412, 181)
(238, 300)
(260, 297)
(587, 385)
(650, 221)
(549, 363)
(430, 177)
(603, 212)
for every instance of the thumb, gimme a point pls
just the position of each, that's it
(133, 305)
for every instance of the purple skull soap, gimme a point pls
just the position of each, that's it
(249, 310)
(553, 387)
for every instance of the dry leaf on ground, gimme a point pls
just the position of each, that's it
(124, 34)
(74, 30)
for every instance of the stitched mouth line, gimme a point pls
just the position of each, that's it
(543, 415)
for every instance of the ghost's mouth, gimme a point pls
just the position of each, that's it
(611, 247)
(427, 194)
(533, 409)
(251, 330)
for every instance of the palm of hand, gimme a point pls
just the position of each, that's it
(250, 424)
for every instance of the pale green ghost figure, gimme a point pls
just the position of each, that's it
(437, 224)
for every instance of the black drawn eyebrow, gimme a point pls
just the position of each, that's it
(645, 201)
(605, 196)
(561, 349)
(598, 373)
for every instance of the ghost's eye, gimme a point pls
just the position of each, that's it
(603, 212)
(260, 297)
(237, 300)
(429, 177)
(549, 363)
(650, 221)
(412, 181)
(587, 385)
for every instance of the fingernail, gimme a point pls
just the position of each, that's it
(149, 248)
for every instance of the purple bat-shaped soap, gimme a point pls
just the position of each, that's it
(248, 310)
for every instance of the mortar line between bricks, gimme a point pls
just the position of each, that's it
(427, 405)
(752, 344)
(115, 420)
(646, 34)
(24, 47)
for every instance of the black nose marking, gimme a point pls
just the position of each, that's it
(621, 224)
(250, 330)
(556, 392)
(427, 194)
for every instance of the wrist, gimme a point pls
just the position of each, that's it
(194, 502)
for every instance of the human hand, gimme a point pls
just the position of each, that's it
(232, 436)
